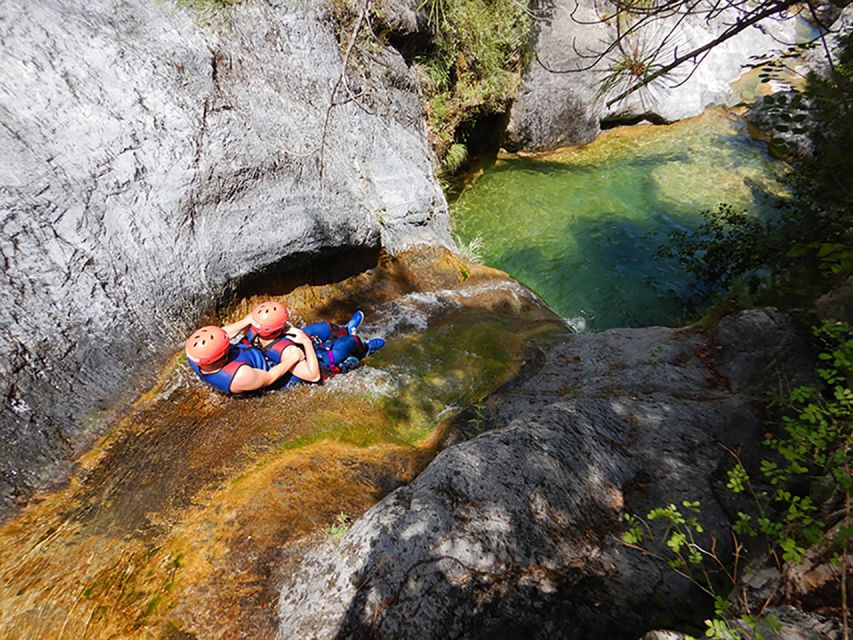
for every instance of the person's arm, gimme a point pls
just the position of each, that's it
(250, 379)
(309, 368)
(238, 327)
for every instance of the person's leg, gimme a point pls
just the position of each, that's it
(326, 330)
(346, 346)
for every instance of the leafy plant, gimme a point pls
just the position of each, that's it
(790, 257)
(341, 526)
(470, 69)
(816, 444)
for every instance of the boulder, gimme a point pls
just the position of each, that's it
(562, 100)
(153, 161)
(792, 624)
(842, 25)
(517, 532)
(785, 119)
(837, 303)
(796, 624)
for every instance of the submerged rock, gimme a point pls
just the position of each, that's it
(562, 100)
(518, 531)
(152, 161)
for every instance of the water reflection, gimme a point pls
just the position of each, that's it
(580, 226)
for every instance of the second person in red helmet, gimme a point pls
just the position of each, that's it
(275, 353)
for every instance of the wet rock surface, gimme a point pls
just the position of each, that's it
(187, 514)
(517, 531)
(561, 102)
(152, 161)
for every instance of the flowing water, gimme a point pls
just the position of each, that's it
(581, 226)
(181, 520)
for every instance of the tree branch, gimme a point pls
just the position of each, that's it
(740, 25)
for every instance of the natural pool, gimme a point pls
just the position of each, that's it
(580, 226)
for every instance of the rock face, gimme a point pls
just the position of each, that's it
(516, 533)
(842, 25)
(558, 105)
(794, 137)
(767, 115)
(150, 161)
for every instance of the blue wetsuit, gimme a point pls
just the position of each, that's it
(332, 344)
(238, 355)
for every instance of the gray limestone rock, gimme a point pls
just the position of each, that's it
(561, 100)
(795, 624)
(517, 532)
(773, 116)
(816, 60)
(152, 161)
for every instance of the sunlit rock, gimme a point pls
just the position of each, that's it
(562, 99)
(153, 159)
(516, 533)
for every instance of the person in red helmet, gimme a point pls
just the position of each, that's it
(274, 351)
(237, 368)
(336, 348)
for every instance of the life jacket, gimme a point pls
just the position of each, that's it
(273, 350)
(238, 355)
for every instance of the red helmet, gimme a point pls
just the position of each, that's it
(269, 318)
(207, 345)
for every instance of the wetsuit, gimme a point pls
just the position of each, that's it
(332, 344)
(238, 356)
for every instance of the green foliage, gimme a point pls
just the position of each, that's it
(791, 257)
(455, 157)
(341, 526)
(634, 534)
(471, 68)
(729, 244)
(737, 478)
(816, 444)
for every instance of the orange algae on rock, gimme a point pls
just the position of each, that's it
(182, 519)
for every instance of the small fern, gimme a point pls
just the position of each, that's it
(471, 250)
(456, 156)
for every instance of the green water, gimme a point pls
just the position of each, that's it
(581, 226)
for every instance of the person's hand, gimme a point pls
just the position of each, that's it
(298, 335)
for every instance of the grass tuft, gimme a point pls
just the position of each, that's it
(471, 250)
(341, 526)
